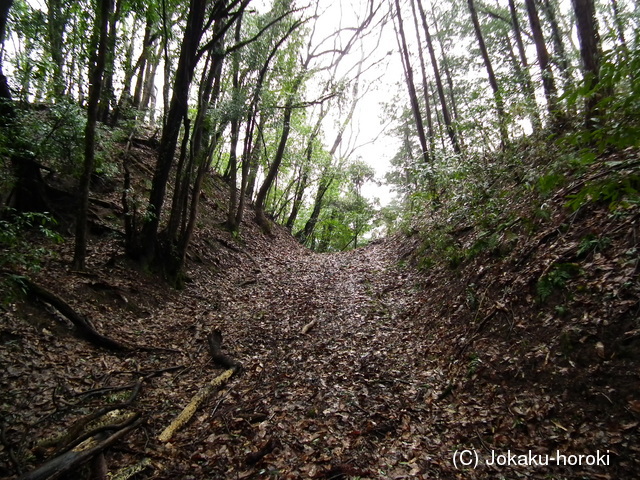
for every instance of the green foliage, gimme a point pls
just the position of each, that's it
(18, 252)
(613, 191)
(486, 242)
(550, 182)
(592, 243)
(438, 245)
(555, 279)
(53, 136)
(474, 363)
(617, 125)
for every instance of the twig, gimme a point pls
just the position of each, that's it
(308, 327)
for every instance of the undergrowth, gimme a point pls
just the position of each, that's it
(18, 250)
(476, 204)
(482, 210)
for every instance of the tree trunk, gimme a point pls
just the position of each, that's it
(299, 193)
(497, 94)
(590, 54)
(107, 95)
(254, 158)
(617, 20)
(56, 23)
(436, 72)
(149, 86)
(171, 131)
(524, 73)
(249, 157)
(5, 92)
(326, 179)
(447, 70)
(261, 219)
(408, 72)
(558, 44)
(184, 174)
(97, 65)
(548, 82)
(142, 62)
(233, 144)
(426, 91)
(129, 69)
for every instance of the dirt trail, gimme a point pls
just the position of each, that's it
(347, 395)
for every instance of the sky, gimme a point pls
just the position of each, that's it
(382, 69)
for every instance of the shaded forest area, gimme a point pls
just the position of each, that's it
(195, 284)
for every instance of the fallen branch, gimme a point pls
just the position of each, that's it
(128, 472)
(188, 412)
(106, 418)
(87, 450)
(82, 325)
(309, 326)
(215, 343)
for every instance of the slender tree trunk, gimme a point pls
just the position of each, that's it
(590, 54)
(249, 157)
(617, 20)
(436, 72)
(56, 23)
(182, 183)
(447, 71)
(557, 36)
(408, 71)
(326, 179)
(142, 63)
(171, 130)
(5, 92)
(304, 171)
(548, 82)
(233, 144)
(303, 181)
(254, 158)
(107, 95)
(524, 73)
(279, 155)
(149, 88)
(129, 69)
(97, 65)
(426, 93)
(497, 94)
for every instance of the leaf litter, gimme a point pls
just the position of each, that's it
(401, 369)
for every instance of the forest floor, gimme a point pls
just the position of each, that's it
(399, 372)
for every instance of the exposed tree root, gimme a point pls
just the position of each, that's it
(86, 451)
(84, 329)
(214, 340)
(308, 327)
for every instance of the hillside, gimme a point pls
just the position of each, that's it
(528, 346)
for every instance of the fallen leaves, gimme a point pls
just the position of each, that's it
(353, 366)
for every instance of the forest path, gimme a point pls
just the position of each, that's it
(349, 392)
